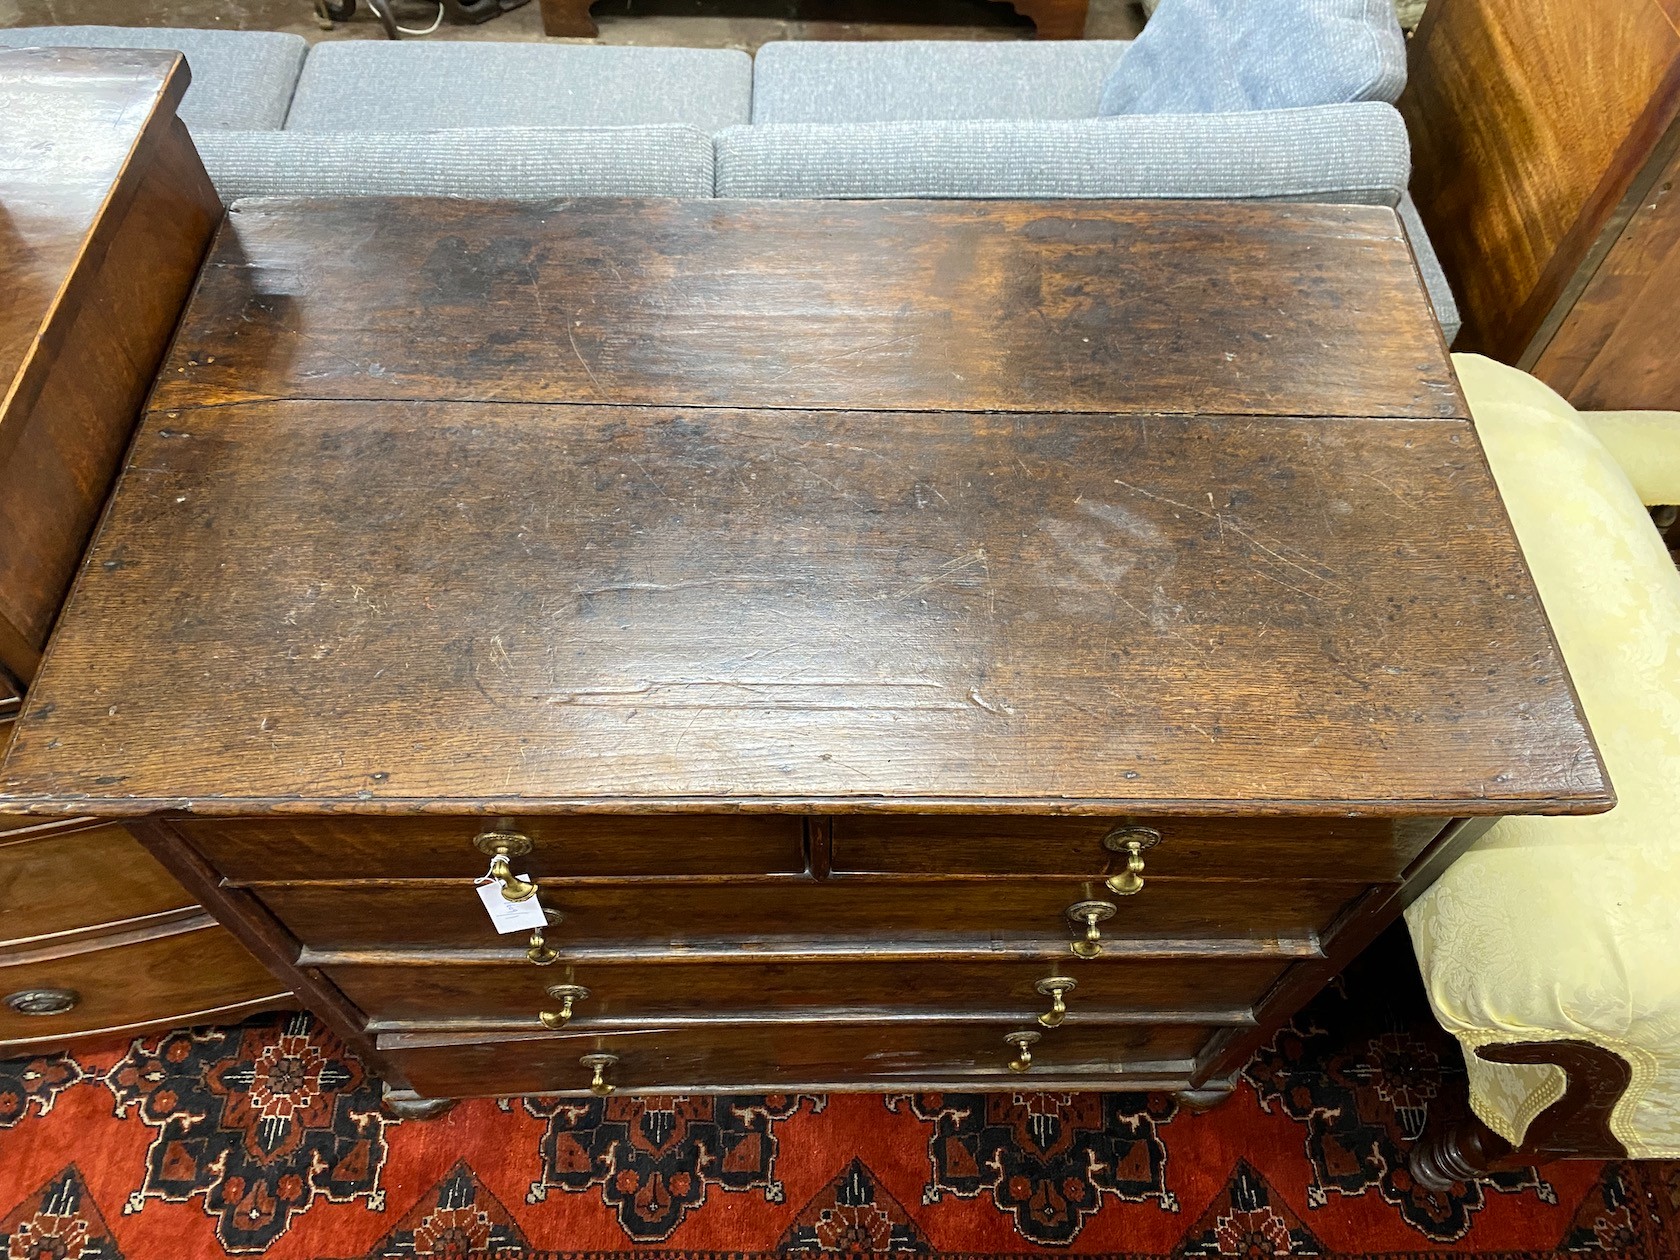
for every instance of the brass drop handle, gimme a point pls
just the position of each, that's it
(1056, 988)
(598, 1064)
(539, 951)
(1131, 841)
(1090, 913)
(566, 995)
(1023, 1043)
(501, 845)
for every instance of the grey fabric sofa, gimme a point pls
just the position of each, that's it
(802, 119)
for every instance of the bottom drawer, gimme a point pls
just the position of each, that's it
(184, 977)
(802, 1056)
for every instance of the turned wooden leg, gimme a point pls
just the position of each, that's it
(568, 17)
(1054, 19)
(1463, 1149)
(405, 1104)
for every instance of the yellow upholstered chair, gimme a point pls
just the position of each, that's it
(1553, 944)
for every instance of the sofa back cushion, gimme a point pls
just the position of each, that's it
(1223, 56)
(866, 81)
(420, 85)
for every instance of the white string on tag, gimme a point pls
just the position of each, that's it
(505, 915)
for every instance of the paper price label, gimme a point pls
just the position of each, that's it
(510, 916)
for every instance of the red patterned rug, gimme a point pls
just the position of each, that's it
(267, 1139)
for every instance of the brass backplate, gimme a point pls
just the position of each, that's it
(511, 843)
(1120, 838)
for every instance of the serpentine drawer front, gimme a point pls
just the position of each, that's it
(850, 644)
(194, 974)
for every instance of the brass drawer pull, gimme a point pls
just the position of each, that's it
(539, 951)
(566, 995)
(598, 1064)
(1131, 841)
(1056, 989)
(1023, 1043)
(1090, 913)
(43, 1001)
(501, 845)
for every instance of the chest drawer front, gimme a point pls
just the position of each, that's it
(976, 914)
(52, 884)
(443, 848)
(808, 1057)
(1358, 850)
(512, 994)
(180, 978)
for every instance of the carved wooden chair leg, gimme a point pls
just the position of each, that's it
(1575, 1126)
(1054, 19)
(568, 17)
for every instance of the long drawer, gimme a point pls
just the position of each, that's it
(442, 848)
(183, 977)
(635, 994)
(1352, 850)
(674, 914)
(62, 882)
(1362, 850)
(803, 1056)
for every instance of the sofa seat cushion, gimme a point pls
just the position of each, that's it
(1349, 153)
(514, 163)
(822, 81)
(373, 85)
(1569, 928)
(241, 80)
(1212, 56)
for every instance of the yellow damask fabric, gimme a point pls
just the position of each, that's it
(1553, 928)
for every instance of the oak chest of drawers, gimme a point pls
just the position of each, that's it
(878, 646)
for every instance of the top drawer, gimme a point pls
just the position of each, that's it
(1357, 850)
(442, 848)
(69, 880)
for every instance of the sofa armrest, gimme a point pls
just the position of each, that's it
(1647, 446)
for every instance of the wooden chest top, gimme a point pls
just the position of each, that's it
(1101, 507)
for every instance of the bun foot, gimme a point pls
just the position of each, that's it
(1197, 1101)
(405, 1104)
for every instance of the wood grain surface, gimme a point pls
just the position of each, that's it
(1615, 348)
(420, 993)
(1530, 120)
(950, 914)
(668, 610)
(1059, 306)
(105, 211)
(57, 885)
(844, 1056)
(187, 976)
